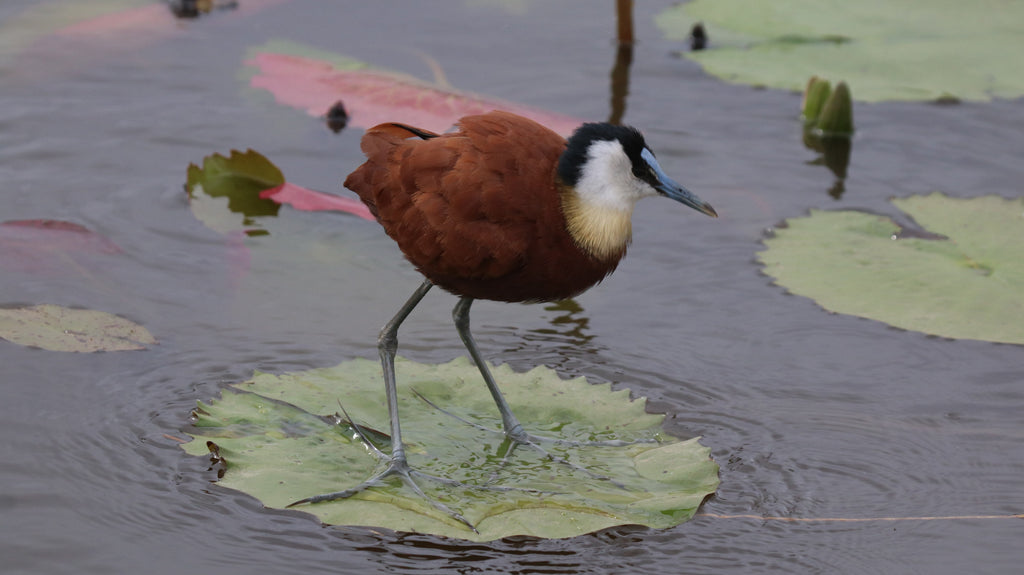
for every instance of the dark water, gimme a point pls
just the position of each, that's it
(811, 415)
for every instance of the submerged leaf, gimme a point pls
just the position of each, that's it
(278, 447)
(59, 328)
(961, 277)
(885, 49)
(48, 245)
(62, 33)
(314, 81)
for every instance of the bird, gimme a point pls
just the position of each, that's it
(505, 209)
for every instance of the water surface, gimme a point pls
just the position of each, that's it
(810, 414)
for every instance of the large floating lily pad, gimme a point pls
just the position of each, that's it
(313, 80)
(961, 275)
(884, 49)
(272, 435)
(57, 328)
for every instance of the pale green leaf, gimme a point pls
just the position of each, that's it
(960, 276)
(278, 446)
(59, 328)
(884, 49)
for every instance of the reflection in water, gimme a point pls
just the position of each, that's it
(835, 155)
(559, 345)
(623, 60)
(572, 319)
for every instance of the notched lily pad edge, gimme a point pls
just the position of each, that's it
(906, 227)
(702, 483)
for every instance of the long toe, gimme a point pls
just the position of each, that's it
(408, 476)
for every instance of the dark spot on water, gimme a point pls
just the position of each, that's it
(337, 117)
(698, 37)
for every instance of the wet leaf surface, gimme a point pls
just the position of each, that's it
(277, 446)
(884, 49)
(57, 328)
(960, 275)
(314, 81)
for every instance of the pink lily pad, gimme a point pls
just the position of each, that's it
(371, 96)
(35, 246)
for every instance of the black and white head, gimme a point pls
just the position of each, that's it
(611, 167)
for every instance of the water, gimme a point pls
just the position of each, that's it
(811, 415)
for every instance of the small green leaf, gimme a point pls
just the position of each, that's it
(961, 276)
(277, 445)
(224, 193)
(59, 328)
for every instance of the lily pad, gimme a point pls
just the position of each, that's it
(313, 80)
(884, 49)
(230, 193)
(280, 440)
(224, 193)
(960, 275)
(50, 246)
(59, 328)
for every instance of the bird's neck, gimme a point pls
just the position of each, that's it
(603, 231)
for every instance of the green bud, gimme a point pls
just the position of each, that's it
(836, 117)
(815, 95)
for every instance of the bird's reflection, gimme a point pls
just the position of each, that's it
(561, 343)
(569, 327)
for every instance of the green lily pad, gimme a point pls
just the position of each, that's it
(884, 49)
(59, 328)
(224, 193)
(280, 440)
(960, 276)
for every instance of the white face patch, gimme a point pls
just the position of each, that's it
(607, 180)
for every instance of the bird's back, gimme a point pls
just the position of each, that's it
(478, 211)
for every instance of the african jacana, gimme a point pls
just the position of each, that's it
(501, 209)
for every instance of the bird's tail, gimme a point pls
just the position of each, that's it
(378, 143)
(397, 129)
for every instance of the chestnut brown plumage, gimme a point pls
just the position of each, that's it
(479, 211)
(501, 209)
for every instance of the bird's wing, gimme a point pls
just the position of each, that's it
(467, 204)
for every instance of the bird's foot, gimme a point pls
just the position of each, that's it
(401, 469)
(398, 466)
(516, 435)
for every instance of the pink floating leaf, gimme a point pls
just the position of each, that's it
(36, 246)
(312, 201)
(64, 35)
(148, 19)
(375, 96)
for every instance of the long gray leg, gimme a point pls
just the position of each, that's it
(510, 424)
(397, 464)
(387, 344)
